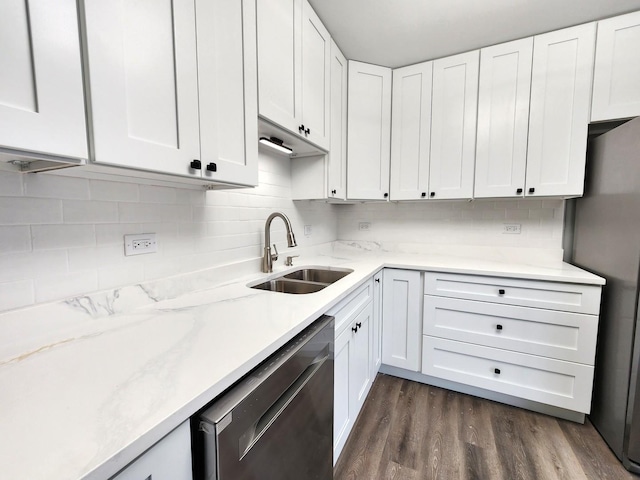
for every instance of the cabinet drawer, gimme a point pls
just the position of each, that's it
(562, 335)
(350, 306)
(570, 297)
(169, 459)
(553, 382)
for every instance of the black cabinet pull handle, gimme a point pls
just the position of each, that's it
(358, 324)
(498, 327)
(301, 129)
(333, 192)
(377, 280)
(386, 195)
(432, 194)
(307, 131)
(423, 194)
(532, 190)
(501, 291)
(212, 167)
(196, 164)
(354, 329)
(519, 191)
(496, 371)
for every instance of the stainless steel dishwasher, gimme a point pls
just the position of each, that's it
(277, 423)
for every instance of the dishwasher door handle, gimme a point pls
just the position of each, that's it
(260, 426)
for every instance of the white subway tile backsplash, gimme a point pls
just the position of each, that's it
(16, 294)
(113, 191)
(113, 233)
(52, 186)
(155, 194)
(62, 236)
(114, 277)
(82, 211)
(10, 184)
(15, 239)
(139, 212)
(57, 286)
(23, 266)
(29, 211)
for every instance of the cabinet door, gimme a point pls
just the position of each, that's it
(453, 126)
(228, 98)
(359, 366)
(143, 84)
(376, 326)
(279, 65)
(503, 119)
(616, 82)
(342, 407)
(369, 127)
(337, 158)
(559, 111)
(41, 95)
(401, 319)
(169, 459)
(411, 132)
(316, 53)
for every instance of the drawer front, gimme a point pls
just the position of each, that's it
(562, 335)
(544, 380)
(569, 297)
(351, 305)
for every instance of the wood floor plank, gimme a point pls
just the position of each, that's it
(410, 431)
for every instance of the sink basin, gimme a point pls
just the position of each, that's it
(318, 275)
(304, 280)
(290, 286)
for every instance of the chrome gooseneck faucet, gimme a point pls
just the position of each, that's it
(268, 258)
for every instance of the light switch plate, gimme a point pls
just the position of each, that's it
(140, 243)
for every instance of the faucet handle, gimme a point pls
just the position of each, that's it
(289, 261)
(274, 256)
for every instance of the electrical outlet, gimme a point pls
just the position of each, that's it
(364, 226)
(307, 230)
(140, 243)
(512, 228)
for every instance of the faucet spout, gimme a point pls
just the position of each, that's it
(268, 258)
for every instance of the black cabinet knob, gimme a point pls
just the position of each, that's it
(386, 195)
(498, 327)
(307, 131)
(377, 280)
(519, 191)
(501, 291)
(423, 194)
(354, 329)
(212, 167)
(358, 324)
(196, 164)
(333, 192)
(301, 129)
(532, 190)
(496, 371)
(432, 194)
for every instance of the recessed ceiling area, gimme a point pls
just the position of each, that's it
(395, 33)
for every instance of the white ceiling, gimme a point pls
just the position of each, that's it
(395, 33)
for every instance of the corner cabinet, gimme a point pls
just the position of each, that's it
(503, 119)
(293, 69)
(411, 132)
(616, 82)
(560, 111)
(453, 126)
(369, 132)
(173, 93)
(41, 93)
(401, 318)
(337, 157)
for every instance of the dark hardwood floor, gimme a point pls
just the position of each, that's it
(411, 431)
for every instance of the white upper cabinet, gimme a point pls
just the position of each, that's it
(411, 132)
(143, 84)
(147, 99)
(503, 119)
(616, 83)
(453, 126)
(228, 88)
(369, 127)
(293, 69)
(560, 111)
(41, 94)
(337, 158)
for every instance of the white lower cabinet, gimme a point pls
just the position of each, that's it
(534, 340)
(354, 353)
(401, 318)
(169, 459)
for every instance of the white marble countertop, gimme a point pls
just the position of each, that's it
(89, 384)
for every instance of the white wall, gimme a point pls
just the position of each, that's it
(62, 236)
(449, 223)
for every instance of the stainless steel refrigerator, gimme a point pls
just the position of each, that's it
(607, 242)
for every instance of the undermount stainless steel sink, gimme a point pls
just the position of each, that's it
(303, 280)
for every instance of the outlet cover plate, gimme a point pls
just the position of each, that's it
(140, 243)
